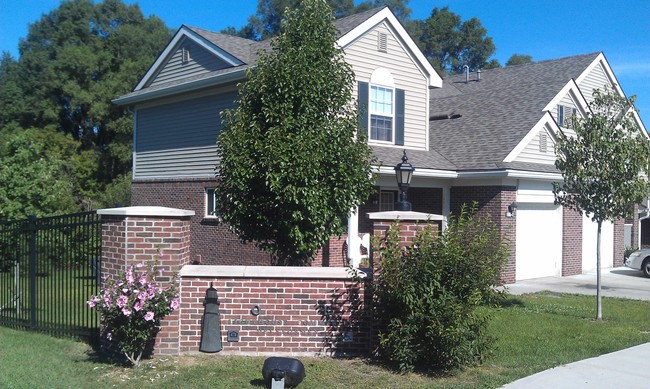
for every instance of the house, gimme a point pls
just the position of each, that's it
(486, 137)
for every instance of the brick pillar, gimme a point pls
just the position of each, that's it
(158, 235)
(571, 242)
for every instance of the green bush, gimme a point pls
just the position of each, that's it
(429, 292)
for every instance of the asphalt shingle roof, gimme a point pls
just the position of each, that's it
(497, 112)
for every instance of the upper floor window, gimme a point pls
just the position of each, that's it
(381, 113)
(564, 115)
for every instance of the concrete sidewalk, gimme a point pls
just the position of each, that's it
(621, 369)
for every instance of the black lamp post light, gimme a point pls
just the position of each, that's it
(403, 172)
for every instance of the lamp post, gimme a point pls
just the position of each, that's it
(403, 172)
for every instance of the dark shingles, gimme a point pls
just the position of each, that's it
(497, 112)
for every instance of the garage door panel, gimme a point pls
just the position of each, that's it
(539, 240)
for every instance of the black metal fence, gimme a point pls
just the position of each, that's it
(49, 267)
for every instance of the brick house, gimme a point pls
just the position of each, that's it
(486, 137)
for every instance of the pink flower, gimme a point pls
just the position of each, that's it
(92, 302)
(142, 296)
(143, 279)
(174, 304)
(148, 316)
(121, 301)
(109, 336)
(126, 311)
(137, 306)
(139, 265)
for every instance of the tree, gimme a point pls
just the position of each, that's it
(73, 61)
(34, 178)
(450, 44)
(292, 164)
(519, 59)
(604, 191)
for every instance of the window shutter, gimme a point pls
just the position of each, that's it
(399, 117)
(363, 105)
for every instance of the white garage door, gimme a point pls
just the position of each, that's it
(539, 240)
(589, 239)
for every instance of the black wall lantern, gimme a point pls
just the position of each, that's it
(403, 172)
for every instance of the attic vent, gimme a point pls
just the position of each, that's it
(542, 142)
(186, 55)
(382, 42)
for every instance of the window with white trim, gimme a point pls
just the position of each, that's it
(210, 203)
(564, 115)
(381, 113)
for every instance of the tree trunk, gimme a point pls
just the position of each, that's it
(599, 299)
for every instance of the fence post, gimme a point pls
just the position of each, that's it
(32, 271)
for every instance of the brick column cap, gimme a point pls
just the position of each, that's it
(301, 272)
(404, 215)
(146, 211)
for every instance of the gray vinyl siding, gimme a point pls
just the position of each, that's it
(178, 139)
(364, 56)
(201, 61)
(532, 153)
(596, 79)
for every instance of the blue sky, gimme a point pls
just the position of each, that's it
(545, 29)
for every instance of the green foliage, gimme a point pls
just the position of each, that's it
(605, 191)
(429, 293)
(34, 177)
(291, 162)
(73, 61)
(519, 59)
(450, 44)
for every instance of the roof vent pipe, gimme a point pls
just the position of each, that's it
(466, 73)
(478, 75)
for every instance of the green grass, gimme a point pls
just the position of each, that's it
(535, 332)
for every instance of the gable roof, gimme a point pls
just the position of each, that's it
(492, 116)
(243, 53)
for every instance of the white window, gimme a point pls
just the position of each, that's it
(381, 113)
(387, 200)
(210, 203)
(564, 115)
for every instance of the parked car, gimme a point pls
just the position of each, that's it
(640, 260)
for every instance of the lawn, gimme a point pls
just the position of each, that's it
(535, 332)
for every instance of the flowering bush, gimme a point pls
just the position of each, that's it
(131, 308)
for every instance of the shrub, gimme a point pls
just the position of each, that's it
(429, 293)
(131, 308)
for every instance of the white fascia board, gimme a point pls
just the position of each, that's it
(419, 172)
(545, 122)
(385, 14)
(571, 88)
(188, 86)
(183, 32)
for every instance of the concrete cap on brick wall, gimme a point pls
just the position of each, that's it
(302, 272)
(404, 215)
(146, 211)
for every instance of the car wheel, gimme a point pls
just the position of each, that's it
(646, 267)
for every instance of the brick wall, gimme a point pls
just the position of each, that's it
(129, 239)
(298, 315)
(492, 200)
(571, 242)
(211, 242)
(619, 242)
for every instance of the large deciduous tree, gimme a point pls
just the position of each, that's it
(451, 44)
(605, 165)
(292, 163)
(73, 61)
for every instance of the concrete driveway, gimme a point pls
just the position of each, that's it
(615, 282)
